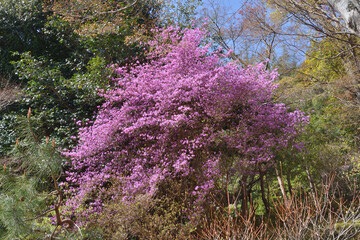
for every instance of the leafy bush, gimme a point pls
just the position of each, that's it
(59, 102)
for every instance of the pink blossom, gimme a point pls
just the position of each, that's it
(183, 114)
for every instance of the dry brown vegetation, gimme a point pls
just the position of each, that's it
(8, 93)
(324, 214)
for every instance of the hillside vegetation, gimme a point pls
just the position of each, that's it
(154, 119)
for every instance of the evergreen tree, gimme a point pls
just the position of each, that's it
(30, 196)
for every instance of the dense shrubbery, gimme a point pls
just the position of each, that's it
(59, 69)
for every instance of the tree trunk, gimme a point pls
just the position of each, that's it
(244, 205)
(281, 183)
(288, 177)
(312, 186)
(263, 197)
(252, 208)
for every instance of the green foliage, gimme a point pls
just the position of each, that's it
(324, 62)
(27, 181)
(60, 67)
(18, 201)
(145, 217)
(19, 22)
(25, 26)
(59, 102)
(8, 135)
(322, 86)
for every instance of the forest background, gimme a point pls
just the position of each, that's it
(56, 55)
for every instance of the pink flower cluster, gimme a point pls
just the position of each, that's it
(184, 114)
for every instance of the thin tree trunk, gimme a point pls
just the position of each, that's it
(288, 177)
(251, 202)
(263, 197)
(312, 186)
(244, 205)
(252, 208)
(281, 183)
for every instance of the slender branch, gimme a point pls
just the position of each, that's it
(39, 216)
(52, 235)
(117, 10)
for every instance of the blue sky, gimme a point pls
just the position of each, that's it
(231, 6)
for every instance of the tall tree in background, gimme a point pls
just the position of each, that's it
(251, 31)
(110, 28)
(182, 13)
(23, 28)
(314, 20)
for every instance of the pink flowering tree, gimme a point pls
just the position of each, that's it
(185, 115)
